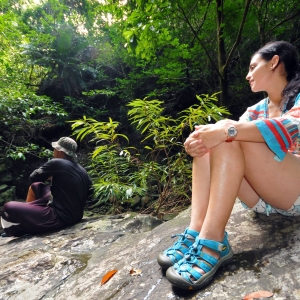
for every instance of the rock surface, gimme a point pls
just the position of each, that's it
(71, 263)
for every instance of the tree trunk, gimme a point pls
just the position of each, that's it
(221, 53)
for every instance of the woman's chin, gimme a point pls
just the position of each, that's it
(255, 90)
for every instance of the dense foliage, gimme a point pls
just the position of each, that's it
(62, 60)
(158, 169)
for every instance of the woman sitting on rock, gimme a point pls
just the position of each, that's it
(255, 159)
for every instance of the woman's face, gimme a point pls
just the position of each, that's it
(259, 74)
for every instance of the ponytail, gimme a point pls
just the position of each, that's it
(291, 90)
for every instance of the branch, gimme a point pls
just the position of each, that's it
(283, 21)
(203, 20)
(197, 37)
(296, 41)
(238, 38)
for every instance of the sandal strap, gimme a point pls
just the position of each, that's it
(193, 272)
(218, 247)
(208, 258)
(184, 240)
(205, 267)
(176, 252)
(213, 245)
(181, 247)
(196, 257)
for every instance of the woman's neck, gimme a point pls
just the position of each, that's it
(275, 105)
(275, 99)
(276, 89)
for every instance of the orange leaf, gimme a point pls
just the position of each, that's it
(259, 294)
(108, 276)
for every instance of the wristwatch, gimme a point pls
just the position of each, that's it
(230, 133)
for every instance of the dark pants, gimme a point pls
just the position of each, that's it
(31, 217)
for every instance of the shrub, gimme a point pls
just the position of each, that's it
(158, 170)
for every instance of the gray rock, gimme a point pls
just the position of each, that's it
(71, 263)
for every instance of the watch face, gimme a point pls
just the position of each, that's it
(232, 131)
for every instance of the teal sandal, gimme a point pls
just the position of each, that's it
(175, 253)
(184, 276)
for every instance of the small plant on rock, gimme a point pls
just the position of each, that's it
(159, 170)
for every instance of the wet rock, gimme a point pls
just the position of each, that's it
(70, 264)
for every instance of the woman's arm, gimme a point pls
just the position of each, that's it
(208, 136)
(278, 133)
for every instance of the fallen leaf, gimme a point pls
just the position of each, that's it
(259, 294)
(135, 272)
(108, 276)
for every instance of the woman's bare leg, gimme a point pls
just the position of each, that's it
(200, 191)
(243, 169)
(247, 194)
(276, 182)
(200, 196)
(227, 167)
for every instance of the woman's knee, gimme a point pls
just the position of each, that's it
(223, 150)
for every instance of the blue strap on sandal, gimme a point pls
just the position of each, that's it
(184, 276)
(175, 253)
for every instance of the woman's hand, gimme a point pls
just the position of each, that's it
(212, 135)
(206, 137)
(193, 145)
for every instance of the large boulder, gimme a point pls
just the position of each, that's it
(71, 263)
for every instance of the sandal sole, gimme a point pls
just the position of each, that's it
(180, 282)
(164, 261)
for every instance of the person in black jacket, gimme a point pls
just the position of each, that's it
(55, 205)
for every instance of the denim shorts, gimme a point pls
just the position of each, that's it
(263, 207)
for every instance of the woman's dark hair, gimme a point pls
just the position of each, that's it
(288, 55)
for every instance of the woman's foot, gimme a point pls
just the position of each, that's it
(198, 268)
(175, 253)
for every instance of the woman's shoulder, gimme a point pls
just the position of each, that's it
(259, 105)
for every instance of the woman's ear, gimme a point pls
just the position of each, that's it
(275, 62)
